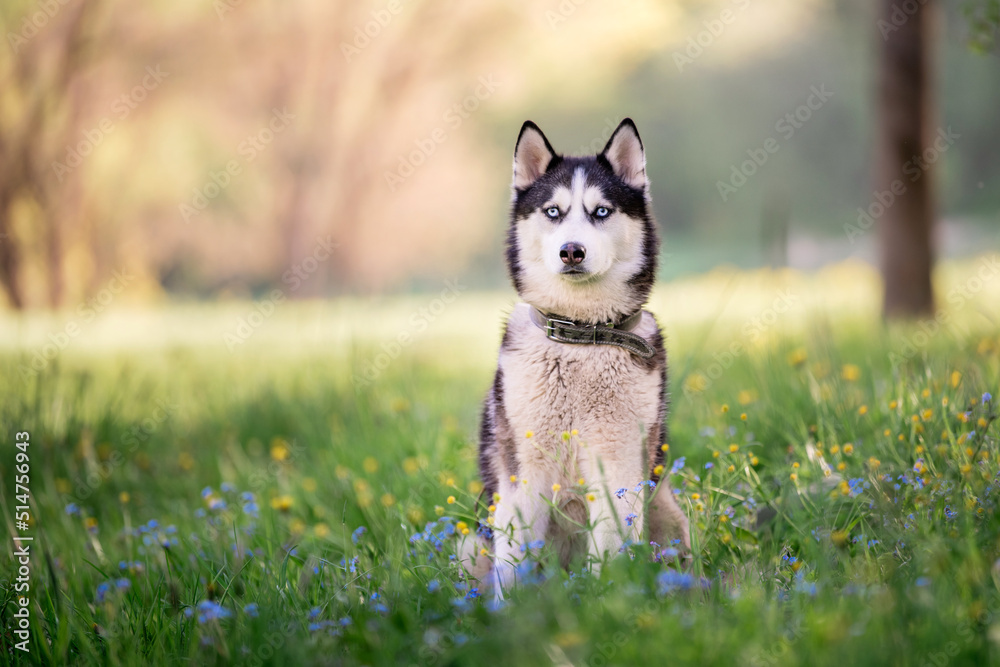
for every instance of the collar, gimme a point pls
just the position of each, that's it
(620, 335)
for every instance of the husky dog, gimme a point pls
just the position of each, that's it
(580, 391)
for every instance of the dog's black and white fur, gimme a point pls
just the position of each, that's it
(582, 246)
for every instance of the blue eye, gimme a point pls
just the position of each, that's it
(602, 212)
(552, 212)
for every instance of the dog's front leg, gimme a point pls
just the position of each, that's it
(614, 522)
(616, 514)
(520, 524)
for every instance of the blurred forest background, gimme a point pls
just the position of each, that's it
(209, 148)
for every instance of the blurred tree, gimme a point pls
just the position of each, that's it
(903, 177)
(37, 118)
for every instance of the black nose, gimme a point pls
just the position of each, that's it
(572, 253)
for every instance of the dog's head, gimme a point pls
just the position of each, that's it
(582, 241)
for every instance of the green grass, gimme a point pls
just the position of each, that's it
(876, 575)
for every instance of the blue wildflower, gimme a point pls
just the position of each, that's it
(102, 591)
(314, 613)
(678, 465)
(358, 532)
(72, 509)
(433, 586)
(206, 492)
(630, 518)
(227, 487)
(670, 581)
(123, 584)
(922, 581)
(345, 621)
(211, 611)
(251, 610)
(987, 397)
(709, 465)
(807, 587)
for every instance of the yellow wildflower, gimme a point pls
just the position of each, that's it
(797, 357)
(282, 503)
(279, 449)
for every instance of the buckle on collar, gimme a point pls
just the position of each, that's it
(550, 323)
(584, 331)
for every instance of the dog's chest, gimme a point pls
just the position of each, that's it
(552, 387)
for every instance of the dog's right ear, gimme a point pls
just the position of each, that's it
(532, 155)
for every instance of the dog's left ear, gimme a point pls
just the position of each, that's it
(625, 154)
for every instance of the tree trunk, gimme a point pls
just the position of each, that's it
(10, 257)
(903, 182)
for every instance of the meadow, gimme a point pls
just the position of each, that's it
(299, 496)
